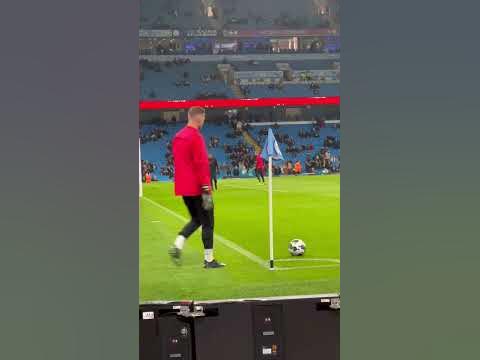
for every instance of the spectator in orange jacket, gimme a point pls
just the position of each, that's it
(298, 167)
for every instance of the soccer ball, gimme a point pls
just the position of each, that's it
(296, 247)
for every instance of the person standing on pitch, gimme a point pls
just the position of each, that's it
(213, 171)
(192, 182)
(259, 168)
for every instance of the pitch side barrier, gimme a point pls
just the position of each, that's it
(280, 328)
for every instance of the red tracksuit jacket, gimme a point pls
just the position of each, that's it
(259, 164)
(190, 159)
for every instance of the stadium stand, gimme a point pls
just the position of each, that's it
(301, 147)
(172, 14)
(237, 14)
(270, 65)
(169, 81)
(235, 153)
(204, 49)
(158, 153)
(238, 27)
(271, 14)
(183, 78)
(264, 91)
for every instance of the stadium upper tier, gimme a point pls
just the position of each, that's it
(182, 79)
(271, 13)
(271, 65)
(264, 91)
(185, 81)
(238, 14)
(172, 14)
(164, 42)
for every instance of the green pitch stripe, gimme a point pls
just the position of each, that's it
(221, 239)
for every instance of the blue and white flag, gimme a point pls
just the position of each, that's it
(271, 148)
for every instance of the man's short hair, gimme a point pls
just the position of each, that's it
(196, 110)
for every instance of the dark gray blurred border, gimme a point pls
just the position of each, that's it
(69, 173)
(69, 222)
(410, 177)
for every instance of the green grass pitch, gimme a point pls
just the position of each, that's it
(305, 207)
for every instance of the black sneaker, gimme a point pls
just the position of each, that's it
(214, 264)
(175, 254)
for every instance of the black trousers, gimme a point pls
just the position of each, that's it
(199, 217)
(259, 173)
(213, 181)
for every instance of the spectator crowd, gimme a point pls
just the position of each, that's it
(240, 156)
(153, 135)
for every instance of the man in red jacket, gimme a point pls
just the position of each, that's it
(259, 167)
(192, 182)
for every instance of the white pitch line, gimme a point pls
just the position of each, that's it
(305, 267)
(308, 259)
(252, 188)
(221, 239)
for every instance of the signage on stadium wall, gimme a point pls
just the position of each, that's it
(305, 75)
(201, 32)
(225, 46)
(149, 33)
(257, 77)
(224, 67)
(283, 66)
(278, 32)
(257, 74)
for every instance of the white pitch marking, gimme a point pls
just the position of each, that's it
(221, 239)
(310, 259)
(252, 188)
(305, 267)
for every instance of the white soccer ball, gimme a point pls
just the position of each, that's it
(296, 247)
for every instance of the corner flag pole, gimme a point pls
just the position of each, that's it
(271, 151)
(270, 210)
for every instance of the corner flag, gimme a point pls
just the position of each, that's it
(271, 151)
(271, 148)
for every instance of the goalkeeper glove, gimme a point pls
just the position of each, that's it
(207, 200)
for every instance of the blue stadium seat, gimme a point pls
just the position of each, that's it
(263, 91)
(163, 83)
(155, 151)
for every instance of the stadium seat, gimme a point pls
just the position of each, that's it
(155, 152)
